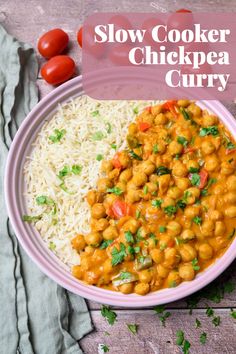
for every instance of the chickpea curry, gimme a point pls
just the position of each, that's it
(165, 208)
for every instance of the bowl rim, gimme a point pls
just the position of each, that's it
(37, 250)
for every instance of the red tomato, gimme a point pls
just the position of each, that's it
(183, 11)
(52, 43)
(79, 36)
(229, 151)
(203, 178)
(120, 208)
(143, 126)
(115, 161)
(58, 69)
(171, 106)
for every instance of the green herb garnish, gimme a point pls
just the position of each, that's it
(162, 229)
(155, 149)
(216, 321)
(28, 218)
(95, 113)
(52, 246)
(104, 348)
(213, 130)
(64, 172)
(157, 203)
(233, 314)
(98, 136)
(162, 170)
(118, 255)
(115, 190)
(135, 110)
(135, 156)
(195, 179)
(203, 338)
(108, 314)
(162, 315)
(133, 328)
(197, 323)
(114, 146)
(182, 140)
(197, 220)
(181, 204)
(129, 237)
(195, 264)
(193, 170)
(76, 169)
(182, 342)
(185, 114)
(58, 135)
(170, 210)
(108, 128)
(105, 244)
(99, 157)
(145, 190)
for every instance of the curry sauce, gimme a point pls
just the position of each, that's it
(165, 208)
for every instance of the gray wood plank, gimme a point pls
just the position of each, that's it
(153, 338)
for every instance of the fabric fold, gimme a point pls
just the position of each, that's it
(37, 315)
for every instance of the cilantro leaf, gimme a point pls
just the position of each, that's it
(76, 169)
(212, 130)
(108, 314)
(195, 264)
(118, 255)
(28, 218)
(133, 328)
(157, 203)
(105, 244)
(135, 156)
(95, 113)
(115, 190)
(129, 237)
(182, 140)
(170, 210)
(197, 220)
(203, 338)
(52, 246)
(162, 170)
(58, 135)
(195, 179)
(98, 136)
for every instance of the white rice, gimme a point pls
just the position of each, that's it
(77, 147)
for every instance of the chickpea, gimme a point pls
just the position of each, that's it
(125, 175)
(163, 182)
(156, 109)
(124, 159)
(219, 228)
(157, 255)
(174, 228)
(170, 257)
(192, 164)
(186, 272)
(154, 179)
(230, 197)
(211, 163)
(191, 211)
(183, 103)
(195, 110)
(93, 239)
(77, 271)
(133, 196)
(188, 234)
(209, 120)
(187, 252)
(207, 228)
(145, 276)
(103, 184)
(106, 166)
(141, 288)
(226, 168)
(162, 271)
(175, 148)
(94, 197)
(110, 233)
(101, 224)
(152, 187)
(192, 194)
(174, 192)
(207, 147)
(98, 211)
(160, 119)
(114, 174)
(231, 183)
(109, 200)
(173, 279)
(161, 146)
(107, 266)
(133, 129)
(147, 167)
(182, 183)
(179, 169)
(231, 211)
(205, 251)
(126, 288)
(78, 243)
(139, 179)
(122, 186)
(131, 225)
(218, 189)
(216, 215)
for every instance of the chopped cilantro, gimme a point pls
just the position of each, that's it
(114, 146)
(52, 246)
(108, 314)
(195, 179)
(197, 323)
(98, 136)
(157, 203)
(95, 113)
(135, 110)
(182, 140)
(104, 348)
(162, 170)
(197, 220)
(212, 130)
(137, 214)
(203, 337)
(118, 255)
(58, 135)
(172, 284)
(64, 172)
(99, 157)
(155, 149)
(125, 275)
(193, 170)
(162, 229)
(129, 237)
(145, 190)
(108, 128)
(181, 204)
(179, 337)
(233, 314)
(135, 156)
(133, 328)
(28, 218)
(195, 264)
(43, 199)
(228, 287)
(162, 315)
(105, 244)
(216, 321)
(182, 342)
(230, 145)
(170, 210)
(209, 311)
(115, 190)
(185, 113)
(76, 169)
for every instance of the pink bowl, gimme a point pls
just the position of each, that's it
(31, 240)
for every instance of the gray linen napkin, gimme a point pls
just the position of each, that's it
(37, 316)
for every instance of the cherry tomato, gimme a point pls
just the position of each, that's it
(52, 43)
(203, 178)
(143, 126)
(120, 208)
(58, 69)
(79, 36)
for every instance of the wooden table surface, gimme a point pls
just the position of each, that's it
(26, 20)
